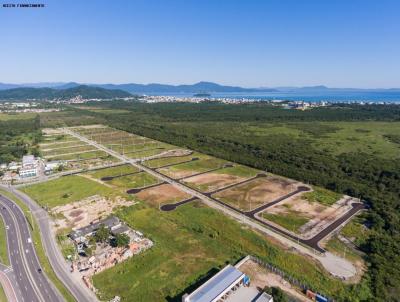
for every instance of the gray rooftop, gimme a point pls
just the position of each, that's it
(120, 230)
(108, 222)
(216, 285)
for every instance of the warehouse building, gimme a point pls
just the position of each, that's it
(224, 286)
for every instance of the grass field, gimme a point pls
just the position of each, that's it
(203, 164)
(103, 110)
(291, 220)
(114, 171)
(85, 155)
(239, 170)
(3, 244)
(17, 116)
(145, 153)
(47, 146)
(68, 150)
(159, 162)
(3, 297)
(67, 189)
(139, 180)
(58, 138)
(356, 232)
(189, 243)
(339, 248)
(322, 196)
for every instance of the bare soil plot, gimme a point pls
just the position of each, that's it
(91, 209)
(162, 194)
(211, 181)
(99, 160)
(298, 214)
(261, 277)
(256, 193)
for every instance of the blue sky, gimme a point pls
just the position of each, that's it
(341, 43)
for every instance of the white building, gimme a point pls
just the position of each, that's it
(31, 166)
(52, 165)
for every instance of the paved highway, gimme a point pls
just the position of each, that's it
(9, 283)
(72, 281)
(32, 282)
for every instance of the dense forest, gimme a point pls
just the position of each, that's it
(18, 137)
(242, 133)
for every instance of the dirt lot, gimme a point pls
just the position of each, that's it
(212, 181)
(162, 194)
(318, 215)
(81, 213)
(257, 192)
(178, 173)
(260, 277)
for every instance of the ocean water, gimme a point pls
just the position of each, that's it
(314, 96)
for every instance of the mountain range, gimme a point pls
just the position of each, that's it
(70, 89)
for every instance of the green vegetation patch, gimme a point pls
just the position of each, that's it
(76, 150)
(3, 297)
(85, 155)
(66, 245)
(67, 189)
(239, 170)
(113, 171)
(202, 165)
(322, 196)
(139, 180)
(336, 246)
(159, 162)
(189, 243)
(17, 116)
(291, 220)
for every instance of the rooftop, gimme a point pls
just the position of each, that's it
(108, 222)
(248, 294)
(216, 285)
(28, 160)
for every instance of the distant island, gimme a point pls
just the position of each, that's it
(201, 95)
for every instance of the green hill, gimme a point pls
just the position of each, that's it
(86, 92)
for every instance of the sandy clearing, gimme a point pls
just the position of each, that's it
(177, 174)
(320, 215)
(213, 181)
(257, 192)
(161, 194)
(261, 277)
(81, 213)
